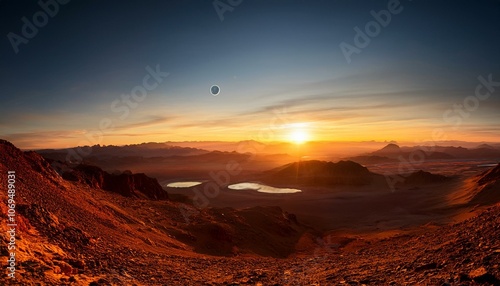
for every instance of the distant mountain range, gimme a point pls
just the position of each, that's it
(360, 152)
(145, 150)
(162, 160)
(393, 152)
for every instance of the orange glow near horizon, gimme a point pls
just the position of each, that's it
(297, 133)
(299, 136)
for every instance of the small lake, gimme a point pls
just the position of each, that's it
(262, 188)
(183, 184)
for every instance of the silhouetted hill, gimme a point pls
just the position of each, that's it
(421, 178)
(389, 149)
(320, 173)
(487, 146)
(464, 153)
(393, 151)
(485, 152)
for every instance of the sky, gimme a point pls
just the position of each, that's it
(122, 72)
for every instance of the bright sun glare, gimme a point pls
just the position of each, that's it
(299, 136)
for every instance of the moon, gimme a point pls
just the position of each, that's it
(215, 90)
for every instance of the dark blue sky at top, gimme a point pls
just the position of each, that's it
(93, 51)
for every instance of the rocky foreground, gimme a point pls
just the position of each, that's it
(71, 232)
(463, 254)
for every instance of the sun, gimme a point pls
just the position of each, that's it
(299, 136)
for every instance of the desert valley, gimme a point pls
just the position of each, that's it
(160, 214)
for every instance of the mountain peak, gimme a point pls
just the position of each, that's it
(389, 149)
(391, 146)
(486, 146)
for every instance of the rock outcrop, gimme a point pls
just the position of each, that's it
(129, 185)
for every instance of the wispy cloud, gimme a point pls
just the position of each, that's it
(43, 139)
(148, 122)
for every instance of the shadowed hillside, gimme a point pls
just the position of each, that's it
(422, 178)
(320, 173)
(488, 187)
